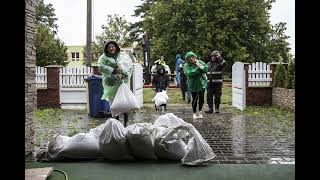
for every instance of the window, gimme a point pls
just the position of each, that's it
(75, 56)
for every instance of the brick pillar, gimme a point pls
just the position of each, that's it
(96, 70)
(30, 84)
(53, 86)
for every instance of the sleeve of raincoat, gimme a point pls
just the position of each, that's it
(205, 67)
(103, 67)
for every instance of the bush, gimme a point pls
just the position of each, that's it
(291, 76)
(280, 77)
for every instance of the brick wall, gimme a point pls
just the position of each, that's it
(50, 97)
(283, 97)
(30, 84)
(257, 96)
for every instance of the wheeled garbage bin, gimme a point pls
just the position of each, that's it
(95, 105)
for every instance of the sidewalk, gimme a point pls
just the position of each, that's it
(235, 138)
(166, 171)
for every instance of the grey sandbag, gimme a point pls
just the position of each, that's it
(141, 140)
(112, 141)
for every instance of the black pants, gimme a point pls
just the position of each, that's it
(195, 97)
(214, 89)
(126, 119)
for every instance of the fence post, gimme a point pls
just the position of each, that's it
(53, 86)
(95, 70)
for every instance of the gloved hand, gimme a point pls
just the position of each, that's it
(117, 71)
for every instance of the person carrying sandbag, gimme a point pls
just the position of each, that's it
(116, 68)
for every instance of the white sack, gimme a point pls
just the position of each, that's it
(113, 142)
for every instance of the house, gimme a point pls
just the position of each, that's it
(75, 55)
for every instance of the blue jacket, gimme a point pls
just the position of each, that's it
(178, 62)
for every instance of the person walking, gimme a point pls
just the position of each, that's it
(215, 77)
(112, 75)
(195, 71)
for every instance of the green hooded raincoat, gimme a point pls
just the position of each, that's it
(196, 77)
(107, 63)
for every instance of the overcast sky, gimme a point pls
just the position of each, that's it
(71, 16)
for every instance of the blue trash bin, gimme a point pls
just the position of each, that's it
(97, 107)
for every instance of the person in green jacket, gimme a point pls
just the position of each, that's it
(195, 71)
(115, 67)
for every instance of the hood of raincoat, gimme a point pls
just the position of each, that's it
(106, 50)
(189, 54)
(178, 56)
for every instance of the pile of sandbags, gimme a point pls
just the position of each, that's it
(142, 141)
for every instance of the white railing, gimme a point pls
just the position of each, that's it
(259, 75)
(41, 77)
(70, 77)
(73, 77)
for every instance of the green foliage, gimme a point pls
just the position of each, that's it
(45, 15)
(116, 28)
(291, 75)
(280, 76)
(49, 49)
(240, 29)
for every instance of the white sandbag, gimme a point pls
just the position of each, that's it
(141, 140)
(160, 98)
(124, 101)
(79, 146)
(169, 144)
(112, 141)
(168, 120)
(198, 150)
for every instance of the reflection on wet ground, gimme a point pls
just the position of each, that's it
(234, 137)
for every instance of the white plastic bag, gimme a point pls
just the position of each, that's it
(169, 144)
(141, 140)
(79, 146)
(160, 98)
(124, 101)
(112, 141)
(168, 120)
(198, 150)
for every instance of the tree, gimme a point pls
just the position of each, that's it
(291, 75)
(117, 29)
(240, 29)
(49, 49)
(280, 76)
(45, 15)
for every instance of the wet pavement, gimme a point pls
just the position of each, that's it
(235, 137)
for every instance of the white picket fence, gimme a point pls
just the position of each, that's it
(73, 77)
(41, 77)
(70, 77)
(259, 75)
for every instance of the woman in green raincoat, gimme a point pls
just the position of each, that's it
(112, 75)
(195, 71)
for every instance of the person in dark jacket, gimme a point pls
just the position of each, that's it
(161, 80)
(215, 78)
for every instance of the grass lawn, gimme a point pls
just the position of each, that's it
(175, 96)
